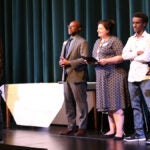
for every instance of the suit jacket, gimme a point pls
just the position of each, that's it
(77, 70)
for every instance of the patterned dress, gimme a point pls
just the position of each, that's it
(111, 80)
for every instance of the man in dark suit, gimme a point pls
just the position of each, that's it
(74, 78)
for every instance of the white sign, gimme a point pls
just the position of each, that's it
(35, 104)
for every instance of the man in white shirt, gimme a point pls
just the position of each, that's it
(137, 50)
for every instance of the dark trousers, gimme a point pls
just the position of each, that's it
(139, 91)
(75, 95)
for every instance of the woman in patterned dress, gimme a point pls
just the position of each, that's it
(111, 78)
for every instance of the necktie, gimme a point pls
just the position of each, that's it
(67, 47)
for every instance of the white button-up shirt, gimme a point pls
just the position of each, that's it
(138, 66)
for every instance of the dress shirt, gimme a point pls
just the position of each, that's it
(138, 66)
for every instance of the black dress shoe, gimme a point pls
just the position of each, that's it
(118, 138)
(80, 132)
(106, 136)
(66, 132)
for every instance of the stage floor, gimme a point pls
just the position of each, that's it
(50, 139)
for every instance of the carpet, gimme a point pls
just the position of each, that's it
(15, 147)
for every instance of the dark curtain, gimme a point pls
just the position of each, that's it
(32, 32)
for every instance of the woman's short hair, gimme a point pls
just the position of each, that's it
(108, 24)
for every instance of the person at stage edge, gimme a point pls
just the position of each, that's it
(1, 81)
(74, 78)
(112, 94)
(137, 50)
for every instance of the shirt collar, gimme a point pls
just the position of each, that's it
(143, 34)
(74, 37)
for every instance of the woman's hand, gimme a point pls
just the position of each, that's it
(103, 62)
(112, 60)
